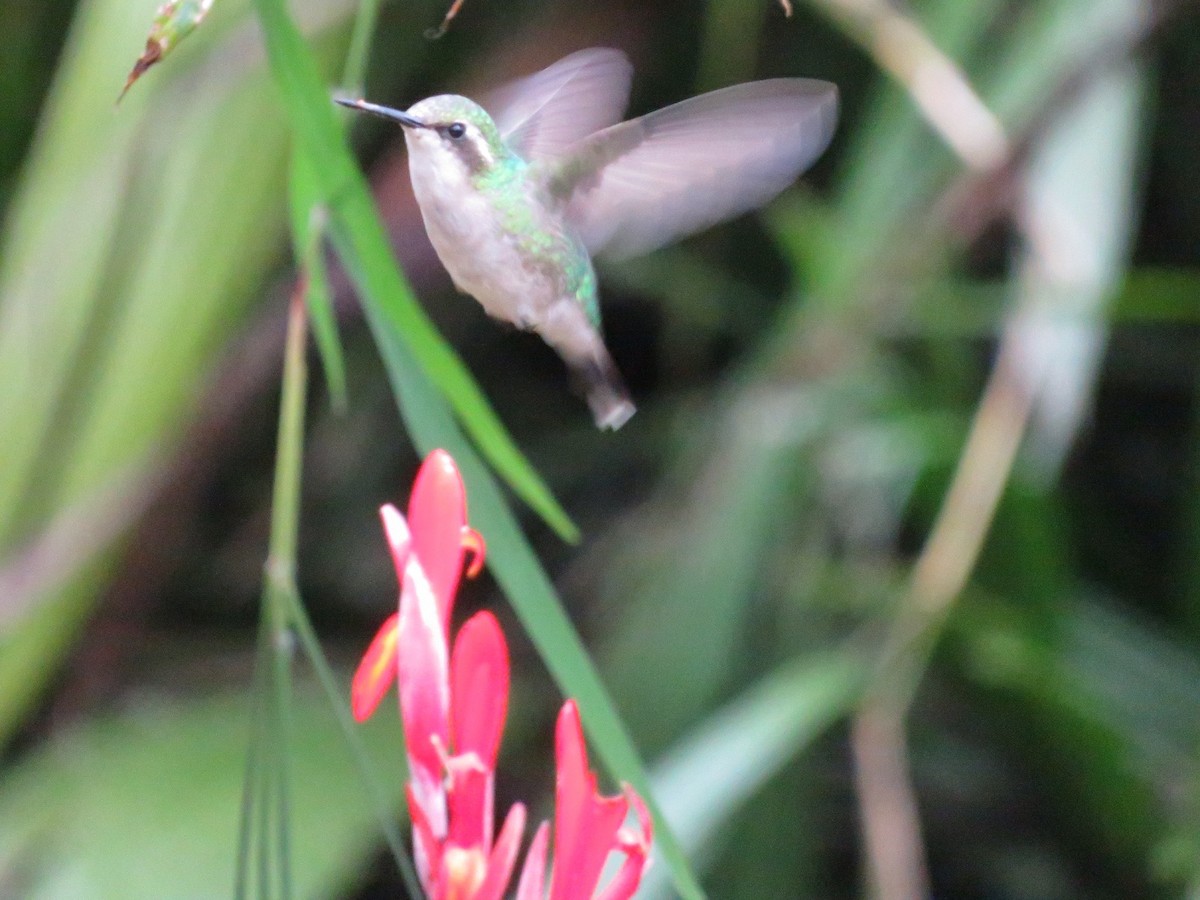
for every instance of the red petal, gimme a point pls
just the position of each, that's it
(470, 804)
(627, 879)
(399, 538)
(585, 824)
(504, 855)
(533, 873)
(645, 820)
(479, 673)
(437, 513)
(376, 671)
(423, 675)
(426, 847)
(636, 847)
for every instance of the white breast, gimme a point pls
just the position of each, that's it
(480, 256)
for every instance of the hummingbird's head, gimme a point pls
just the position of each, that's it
(449, 133)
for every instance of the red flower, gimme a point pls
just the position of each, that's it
(440, 537)
(587, 827)
(453, 704)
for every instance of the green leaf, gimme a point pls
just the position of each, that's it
(743, 745)
(128, 255)
(173, 22)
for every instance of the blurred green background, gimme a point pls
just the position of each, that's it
(894, 578)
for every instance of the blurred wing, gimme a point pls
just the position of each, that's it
(644, 183)
(542, 115)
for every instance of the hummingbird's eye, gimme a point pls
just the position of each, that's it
(456, 130)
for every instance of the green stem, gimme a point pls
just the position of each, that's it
(281, 694)
(285, 496)
(280, 575)
(255, 767)
(266, 764)
(287, 612)
(367, 772)
(263, 823)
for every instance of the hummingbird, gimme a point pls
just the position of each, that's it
(520, 193)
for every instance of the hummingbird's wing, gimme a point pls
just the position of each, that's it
(643, 183)
(540, 116)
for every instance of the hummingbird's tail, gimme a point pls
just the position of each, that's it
(605, 390)
(570, 332)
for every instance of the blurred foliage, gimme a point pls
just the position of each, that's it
(757, 542)
(117, 808)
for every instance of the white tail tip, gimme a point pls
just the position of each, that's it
(614, 414)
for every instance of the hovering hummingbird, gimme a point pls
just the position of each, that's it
(516, 202)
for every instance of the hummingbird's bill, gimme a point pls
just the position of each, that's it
(384, 112)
